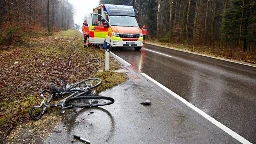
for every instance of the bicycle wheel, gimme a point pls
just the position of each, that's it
(36, 112)
(93, 82)
(89, 83)
(89, 101)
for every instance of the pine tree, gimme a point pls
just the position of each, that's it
(238, 21)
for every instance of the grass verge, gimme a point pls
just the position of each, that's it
(24, 72)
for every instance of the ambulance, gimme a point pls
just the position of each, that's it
(115, 25)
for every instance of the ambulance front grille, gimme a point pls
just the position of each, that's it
(129, 35)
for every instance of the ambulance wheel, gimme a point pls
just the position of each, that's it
(137, 48)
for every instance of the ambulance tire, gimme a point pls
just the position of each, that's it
(137, 48)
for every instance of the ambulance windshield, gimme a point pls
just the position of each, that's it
(125, 21)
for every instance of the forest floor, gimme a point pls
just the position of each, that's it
(234, 54)
(27, 69)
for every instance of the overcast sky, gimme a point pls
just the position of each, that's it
(83, 8)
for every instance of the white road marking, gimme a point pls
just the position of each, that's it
(206, 116)
(157, 52)
(122, 61)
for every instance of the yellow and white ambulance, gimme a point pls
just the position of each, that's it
(116, 25)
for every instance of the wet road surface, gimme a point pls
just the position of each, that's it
(226, 91)
(126, 121)
(167, 120)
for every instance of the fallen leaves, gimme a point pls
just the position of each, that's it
(24, 72)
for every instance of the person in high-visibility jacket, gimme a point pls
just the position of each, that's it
(144, 32)
(85, 29)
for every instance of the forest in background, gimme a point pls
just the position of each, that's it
(25, 17)
(216, 24)
(211, 23)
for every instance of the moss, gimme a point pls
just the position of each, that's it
(109, 79)
(16, 107)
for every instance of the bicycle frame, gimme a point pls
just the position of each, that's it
(73, 91)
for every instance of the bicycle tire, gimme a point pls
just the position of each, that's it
(87, 83)
(89, 101)
(34, 114)
(97, 82)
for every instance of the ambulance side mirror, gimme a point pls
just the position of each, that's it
(105, 24)
(140, 26)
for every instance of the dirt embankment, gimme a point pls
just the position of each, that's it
(26, 70)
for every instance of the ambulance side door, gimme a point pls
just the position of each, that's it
(92, 28)
(97, 32)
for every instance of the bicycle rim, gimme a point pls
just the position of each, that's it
(36, 112)
(89, 101)
(88, 83)
(93, 82)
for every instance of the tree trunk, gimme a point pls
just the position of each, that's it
(195, 30)
(171, 21)
(158, 16)
(223, 13)
(53, 14)
(246, 24)
(187, 21)
(48, 16)
(133, 3)
(206, 24)
(241, 24)
(212, 37)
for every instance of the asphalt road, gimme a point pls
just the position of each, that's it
(224, 90)
(127, 121)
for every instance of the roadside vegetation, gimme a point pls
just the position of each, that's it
(220, 28)
(30, 67)
(232, 54)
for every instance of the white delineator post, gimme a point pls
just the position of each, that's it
(107, 60)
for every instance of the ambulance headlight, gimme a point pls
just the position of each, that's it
(115, 34)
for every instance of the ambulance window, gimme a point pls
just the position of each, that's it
(99, 12)
(126, 21)
(94, 18)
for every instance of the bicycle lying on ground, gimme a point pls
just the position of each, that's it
(77, 95)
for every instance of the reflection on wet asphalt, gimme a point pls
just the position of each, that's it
(226, 91)
(92, 124)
